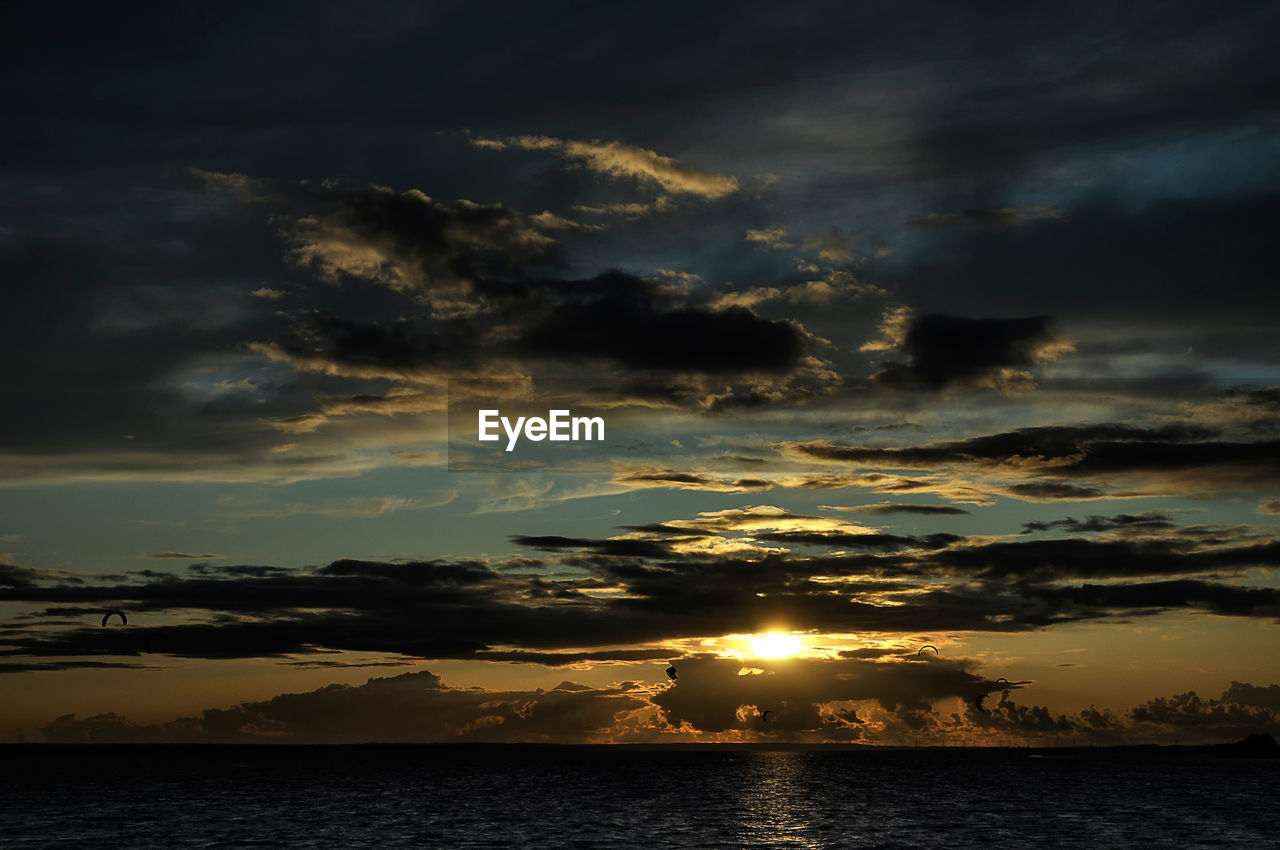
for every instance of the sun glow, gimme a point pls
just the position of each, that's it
(776, 645)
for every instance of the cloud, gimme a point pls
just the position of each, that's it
(622, 547)
(754, 525)
(619, 322)
(898, 508)
(614, 319)
(946, 350)
(993, 219)
(637, 475)
(806, 697)
(14, 576)
(894, 326)
(1160, 459)
(50, 666)
(615, 159)
(836, 285)
(1243, 709)
(1048, 491)
(1153, 521)
(405, 240)
(186, 556)
(773, 237)
(631, 211)
(145, 358)
(833, 246)
(715, 699)
(354, 508)
(414, 707)
(566, 659)
(654, 477)
(397, 401)
(243, 187)
(858, 540)
(1144, 262)
(712, 696)
(824, 293)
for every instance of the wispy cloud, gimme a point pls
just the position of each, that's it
(616, 159)
(993, 219)
(183, 556)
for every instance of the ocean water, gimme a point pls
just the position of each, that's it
(548, 797)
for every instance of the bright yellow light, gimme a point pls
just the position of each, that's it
(775, 645)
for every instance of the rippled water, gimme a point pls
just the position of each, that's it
(518, 796)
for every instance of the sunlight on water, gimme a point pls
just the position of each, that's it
(515, 797)
(777, 801)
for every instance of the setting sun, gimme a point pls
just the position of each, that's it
(776, 645)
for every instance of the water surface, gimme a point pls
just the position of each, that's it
(532, 796)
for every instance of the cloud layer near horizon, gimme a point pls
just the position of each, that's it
(847, 702)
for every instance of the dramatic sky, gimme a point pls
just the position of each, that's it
(910, 326)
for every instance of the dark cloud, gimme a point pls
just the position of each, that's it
(1052, 443)
(995, 219)
(1049, 490)
(46, 666)
(104, 332)
(694, 481)
(188, 371)
(1146, 264)
(15, 576)
(1005, 105)
(717, 695)
(1120, 522)
(618, 326)
(623, 547)
(391, 347)
(404, 240)
(235, 570)
(1266, 399)
(1221, 599)
(1243, 709)
(411, 707)
(944, 350)
(612, 321)
(473, 264)
(183, 556)
(1078, 558)
(859, 540)
(564, 659)
(903, 508)
(1183, 455)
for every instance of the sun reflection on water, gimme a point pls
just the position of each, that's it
(777, 802)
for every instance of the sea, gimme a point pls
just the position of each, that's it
(515, 796)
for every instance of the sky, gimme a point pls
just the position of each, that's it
(937, 352)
